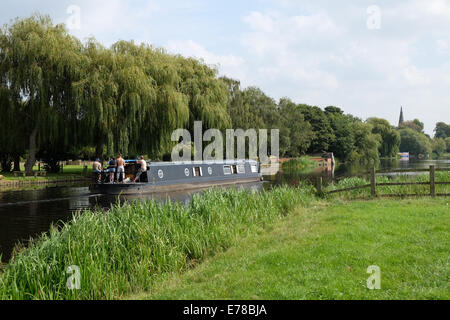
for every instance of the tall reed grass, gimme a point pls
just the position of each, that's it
(125, 249)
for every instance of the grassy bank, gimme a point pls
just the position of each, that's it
(128, 248)
(301, 163)
(324, 253)
(69, 172)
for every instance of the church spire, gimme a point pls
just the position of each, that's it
(401, 120)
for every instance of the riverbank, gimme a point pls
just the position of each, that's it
(139, 248)
(125, 249)
(323, 252)
(70, 174)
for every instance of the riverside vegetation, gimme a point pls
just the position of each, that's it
(299, 164)
(323, 252)
(140, 248)
(126, 248)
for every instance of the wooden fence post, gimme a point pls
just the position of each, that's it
(432, 184)
(319, 185)
(373, 191)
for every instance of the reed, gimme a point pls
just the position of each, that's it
(123, 250)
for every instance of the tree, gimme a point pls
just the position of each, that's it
(39, 61)
(12, 138)
(242, 113)
(416, 125)
(447, 142)
(442, 130)
(320, 123)
(438, 146)
(366, 143)
(414, 142)
(344, 144)
(206, 94)
(390, 138)
(299, 131)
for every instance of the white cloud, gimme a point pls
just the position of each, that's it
(229, 65)
(111, 20)
(285, 49)
(324, 59)
(416, 77)
(442, 46)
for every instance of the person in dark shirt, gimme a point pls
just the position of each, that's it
(112, 165)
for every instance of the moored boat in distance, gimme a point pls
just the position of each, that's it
(174, 176)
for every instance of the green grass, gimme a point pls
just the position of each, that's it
(324, 252)
(127, 248)
(229, 244)
(69, 172)
(301, 163)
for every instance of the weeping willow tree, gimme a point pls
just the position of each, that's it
(170, 109)
(39, 61)
(207, 95)
(95, 95)
(12, 142)
(125, 99)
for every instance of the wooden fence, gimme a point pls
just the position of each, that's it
(373, 184)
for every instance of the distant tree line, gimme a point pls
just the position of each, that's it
(61, 98)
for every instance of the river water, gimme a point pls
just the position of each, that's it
(28, 213)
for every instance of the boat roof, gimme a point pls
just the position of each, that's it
(225, 162)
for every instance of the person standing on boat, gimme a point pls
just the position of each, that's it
(142, 169)
(120, 168)
(97, 168)
(112, 164)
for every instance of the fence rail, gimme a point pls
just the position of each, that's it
(373, 184)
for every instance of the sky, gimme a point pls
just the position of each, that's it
(367, 57)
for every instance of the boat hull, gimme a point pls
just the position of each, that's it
(142, 188)
(168, 177)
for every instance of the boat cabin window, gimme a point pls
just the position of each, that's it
(227, 170)
(241, 168)
(254, 168)
(197, 171)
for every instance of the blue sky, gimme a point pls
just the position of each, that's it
(319, 52)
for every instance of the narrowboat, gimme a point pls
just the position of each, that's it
(175, 176)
